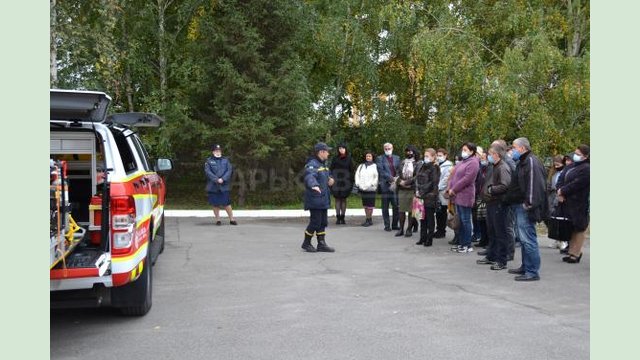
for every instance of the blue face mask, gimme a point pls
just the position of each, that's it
(491, 159)
(515, 155)
(577, 158)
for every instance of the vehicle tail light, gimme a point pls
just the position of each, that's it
(123, 221)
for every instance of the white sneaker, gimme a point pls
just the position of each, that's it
(563, 245)
(464, 249)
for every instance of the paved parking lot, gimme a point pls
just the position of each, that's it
(249, 292)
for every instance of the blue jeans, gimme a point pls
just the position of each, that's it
(466, 225)
(389, 198)
(529, 239)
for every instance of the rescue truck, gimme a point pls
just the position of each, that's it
(106, 205)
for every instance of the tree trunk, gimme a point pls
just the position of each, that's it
(162, 51)
(53, 78)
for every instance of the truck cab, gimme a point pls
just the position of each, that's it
(107, 205)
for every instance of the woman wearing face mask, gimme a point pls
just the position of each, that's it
(441, 213)
(367, 184)
(573, 188)
(427, 179)
(552, 195)
(341, 166)
(462, 191)
(406, 188)
(479, 211)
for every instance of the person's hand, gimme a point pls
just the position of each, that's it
(526, 206)
(451, 193)
(316, 189)
(331, 181)
(220, 181)
(561, 198)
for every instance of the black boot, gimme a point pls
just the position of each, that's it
(415, 224)
(423, 233)
(429, 240)
(401, 230)
(322, 246)
(306, 244)
(409, 231)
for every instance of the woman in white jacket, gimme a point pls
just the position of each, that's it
(367, 184)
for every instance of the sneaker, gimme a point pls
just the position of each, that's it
(563, 245)
(465, 249)
(498, 266)
(484, 261)
(517, 271)
(526, 278)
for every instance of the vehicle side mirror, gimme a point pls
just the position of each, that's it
(164, 165)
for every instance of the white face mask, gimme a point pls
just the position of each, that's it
(388, 152)
(217, 154)
(428, 159)
(465, 154)
(577, 158)
(441, 159)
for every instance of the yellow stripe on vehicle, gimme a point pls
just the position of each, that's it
(130, 257)
(136, 175)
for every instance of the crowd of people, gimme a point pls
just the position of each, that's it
(492, 198)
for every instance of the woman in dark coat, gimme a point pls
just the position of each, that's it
(573, 188)
(427, 180)
(341, 165)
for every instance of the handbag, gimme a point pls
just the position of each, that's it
(480, 209)
(453, 219)
(559, 226)
(394, 185)
(417, 208)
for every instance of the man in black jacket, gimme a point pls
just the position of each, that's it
(528, 189)
(495, 186)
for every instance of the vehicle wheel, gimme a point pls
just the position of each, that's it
(137, 295)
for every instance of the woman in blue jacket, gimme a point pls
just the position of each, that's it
(219, 170)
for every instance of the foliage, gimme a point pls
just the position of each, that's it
(269, 78)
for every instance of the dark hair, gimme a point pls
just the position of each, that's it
(584, 149)
(373, 155)
(441, 150)
(471, 146)
(416, 152)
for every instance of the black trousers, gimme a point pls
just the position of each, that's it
(317, 221)
(497, 226)
(441, 219)
(428, 224)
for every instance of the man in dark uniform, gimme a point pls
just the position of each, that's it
(317, 180)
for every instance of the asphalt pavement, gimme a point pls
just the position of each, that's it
(249, 292)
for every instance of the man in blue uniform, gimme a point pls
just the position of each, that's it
(317, 180)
